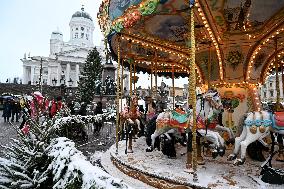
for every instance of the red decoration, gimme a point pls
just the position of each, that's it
(26, 129)
(131, 18)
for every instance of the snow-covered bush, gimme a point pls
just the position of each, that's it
(39, 159)
(70, 169)
(26, 161)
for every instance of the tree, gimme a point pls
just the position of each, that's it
(92, 72)
(42, 159)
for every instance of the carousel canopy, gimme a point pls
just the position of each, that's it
(236, 40)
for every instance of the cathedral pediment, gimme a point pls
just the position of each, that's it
(76, 53)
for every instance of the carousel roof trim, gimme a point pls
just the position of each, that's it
(270, 64)
(158, 44)
(166, 48)
(103, 17)
(258, 45)
(214, 39)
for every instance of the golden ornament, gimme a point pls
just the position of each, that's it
(262, 129)
(253, 129)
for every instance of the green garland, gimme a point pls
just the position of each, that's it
(146, 7)
(234, 58)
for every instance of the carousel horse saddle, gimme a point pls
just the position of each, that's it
(278, 120)
(179, 116)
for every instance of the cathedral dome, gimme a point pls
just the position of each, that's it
(83, 14)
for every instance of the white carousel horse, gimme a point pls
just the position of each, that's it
(207, 110)
(129, 117)
(256, 126)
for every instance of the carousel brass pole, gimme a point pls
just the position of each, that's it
(121, 88)
(156, 81)
(209, 67)
(117, 96)
(282, 76)
(192, 97)
(130, 70)
(134, 79)
(173, 84)
(151, 78)
(277, 77)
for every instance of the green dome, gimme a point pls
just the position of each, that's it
(83, 14)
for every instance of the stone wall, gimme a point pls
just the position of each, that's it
(21, 89)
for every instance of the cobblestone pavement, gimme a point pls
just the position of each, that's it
(100, 142)
(6, 132)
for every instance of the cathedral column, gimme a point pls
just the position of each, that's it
(59, 70)
(49, 76)
(25, 75)
(32, 74)
(67, 74)
(77, 75)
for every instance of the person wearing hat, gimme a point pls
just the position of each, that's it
(7, 110)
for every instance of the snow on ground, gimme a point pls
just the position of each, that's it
(217, 173)
(111, 169)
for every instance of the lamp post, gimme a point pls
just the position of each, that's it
(62, 83)
(54, 82)
(69, 88)
(37, 58)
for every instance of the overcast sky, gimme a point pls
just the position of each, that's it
(26, 26)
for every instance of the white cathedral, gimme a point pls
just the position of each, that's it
(66, 59)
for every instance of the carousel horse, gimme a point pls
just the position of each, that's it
(130, 122)
(258, 125)
(208, 106)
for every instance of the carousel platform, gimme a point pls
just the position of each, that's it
(157, 170)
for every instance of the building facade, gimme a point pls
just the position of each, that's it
(268, 89)
(66, 59)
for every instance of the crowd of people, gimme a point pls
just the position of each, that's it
(11, 109)
(14, 108)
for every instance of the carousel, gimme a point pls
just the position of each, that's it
(227, 48)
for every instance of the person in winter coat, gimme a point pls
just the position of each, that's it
(26, 113)
(71, 107)
(7, 110)
(56, 106)
(83, 111)
(99, 108)
(98, 125)
(16, 109)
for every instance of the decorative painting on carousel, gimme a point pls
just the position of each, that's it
(234, 61)
(245, 15)
(202, 60)
(117, 7)
(167, 27)
(236, 103)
